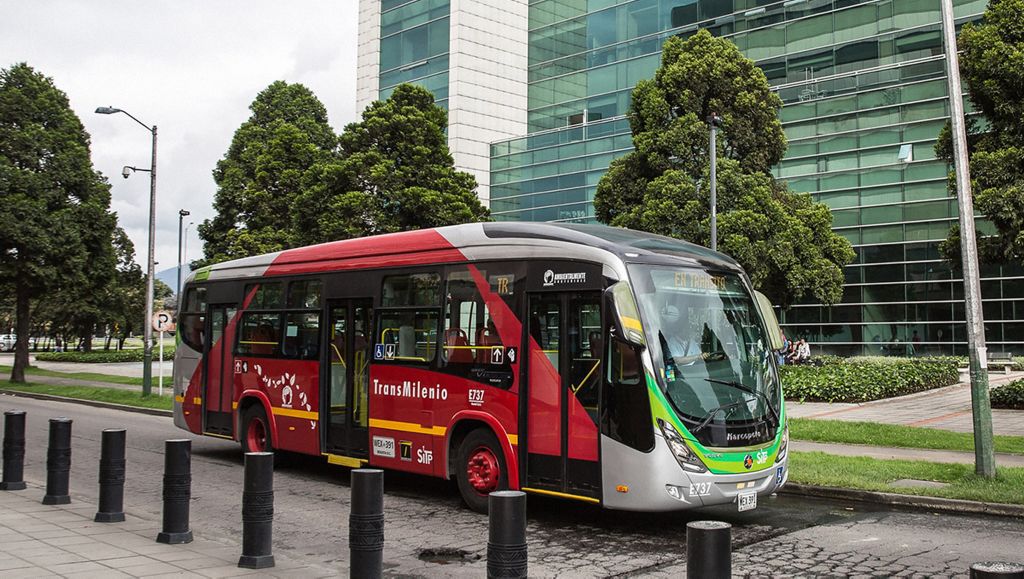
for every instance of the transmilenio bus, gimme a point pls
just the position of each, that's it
(580, 361)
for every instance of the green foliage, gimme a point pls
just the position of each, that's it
(894, 435)
(992, 65)
(783, 240)
(264, 172)
(99, 394)
(1009, 395)
(102, 356)
(394, 173)
(867, 378)
(56, 227)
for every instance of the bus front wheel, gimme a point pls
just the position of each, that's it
(255, 430)
(480, 468)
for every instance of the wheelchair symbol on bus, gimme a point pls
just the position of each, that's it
(378, 352)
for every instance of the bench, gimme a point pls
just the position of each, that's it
(1004, 359)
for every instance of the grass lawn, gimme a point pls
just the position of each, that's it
(114, 395)
(870, 433)
(817, 468)
(113, 379)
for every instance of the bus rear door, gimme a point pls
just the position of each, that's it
(218, 370)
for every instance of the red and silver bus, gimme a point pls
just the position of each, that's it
(580, 361)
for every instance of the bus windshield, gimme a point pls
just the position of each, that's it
(710, 352)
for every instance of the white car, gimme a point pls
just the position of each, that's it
(7, 342)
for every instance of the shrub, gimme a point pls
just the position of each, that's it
(102, 356)
(867, 378)
(1009, 395)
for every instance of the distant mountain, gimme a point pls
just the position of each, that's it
(170, 275)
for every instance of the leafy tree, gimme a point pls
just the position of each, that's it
(394, 173)
(992, 65)
(782, 239)
(54, 204)
(262, 173)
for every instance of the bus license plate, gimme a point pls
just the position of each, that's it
(747, 501)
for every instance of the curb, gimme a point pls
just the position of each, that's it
(95, 403)
(915, 502)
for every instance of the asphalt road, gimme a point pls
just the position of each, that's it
(429, 533)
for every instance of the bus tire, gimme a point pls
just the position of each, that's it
(480, 468)
(255, 435)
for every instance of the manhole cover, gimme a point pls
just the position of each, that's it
(446, 556)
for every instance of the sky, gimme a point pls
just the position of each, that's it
(190, 67)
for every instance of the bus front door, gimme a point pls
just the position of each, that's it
(218, 371)
(346, 381)
(565, 341)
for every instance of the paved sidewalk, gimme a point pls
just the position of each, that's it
(944, 408)
(63, 541)
(885, 452)
(129, 369)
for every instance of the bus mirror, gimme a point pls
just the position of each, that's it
(626, 315)
(771, 323)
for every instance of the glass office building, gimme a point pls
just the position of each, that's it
(537, 92)
(865, 96)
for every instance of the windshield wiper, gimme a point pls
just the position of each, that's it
(749, 390)
(711, 414)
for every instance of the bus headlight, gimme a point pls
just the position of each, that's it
(785, 444)
(684, 456)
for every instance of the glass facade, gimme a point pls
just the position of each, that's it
(864, 90)
(414, 46)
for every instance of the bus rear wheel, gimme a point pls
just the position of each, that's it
(255, 436)
(481, 468)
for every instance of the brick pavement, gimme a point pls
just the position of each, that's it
(944, 408)
(63, 541)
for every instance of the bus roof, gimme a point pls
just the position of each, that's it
(458, 243)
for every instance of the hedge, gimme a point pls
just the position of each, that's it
(1008, 396)
(867, 378)
(102, 356)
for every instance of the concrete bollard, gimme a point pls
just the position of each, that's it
(258, 511)
(366, 523)
(708, 549)
(58, 462)
(14, 451)
(506, 534)
(112, 468)
(177, 492)
(997, 570)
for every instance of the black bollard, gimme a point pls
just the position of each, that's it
(257, 511)
(366, 523)
(997, 570)
(14, 451)
(58, 462)
(112, 464)
(708, 549)
(177, 492)
(506, 534)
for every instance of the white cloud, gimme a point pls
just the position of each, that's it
(190, 67)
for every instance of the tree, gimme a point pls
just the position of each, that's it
(50, 195)
(394, 173)
(992, 66)
(782, 239)
(263, 173)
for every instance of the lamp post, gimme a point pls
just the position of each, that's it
(147, 326)
(715, 121)
(181, 216)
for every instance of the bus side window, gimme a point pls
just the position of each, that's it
(471, 346)
(626, 408)
(260, 334)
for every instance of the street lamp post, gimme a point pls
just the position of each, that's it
(715, 121)
(181, 216)
(147, 326)
(984, 457)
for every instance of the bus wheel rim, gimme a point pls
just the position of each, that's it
(484, 470)
(257, 435)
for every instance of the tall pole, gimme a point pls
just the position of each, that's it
(181, 217)
(984, 459)
(714, 120)
(147, 351)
